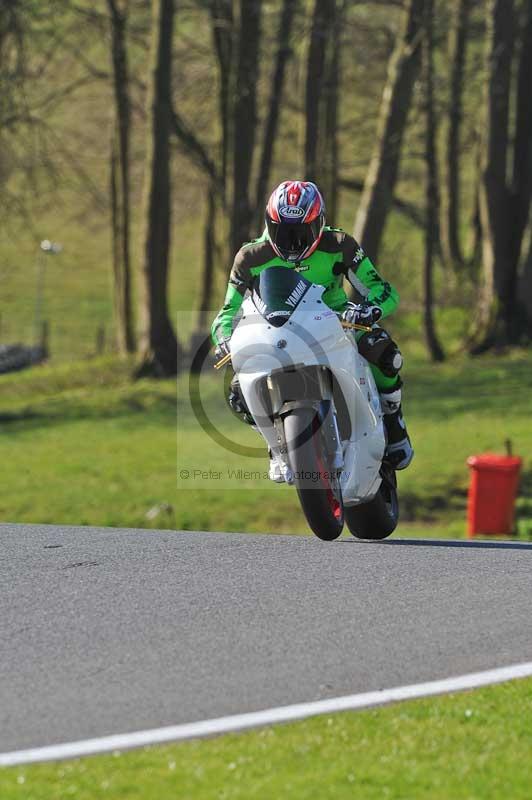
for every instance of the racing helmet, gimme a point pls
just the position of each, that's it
(295, 218)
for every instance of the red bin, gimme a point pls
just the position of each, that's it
(492, 493)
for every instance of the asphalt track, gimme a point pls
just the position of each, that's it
(106, 631)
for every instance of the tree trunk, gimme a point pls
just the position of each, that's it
(474, 239)
(521, 186)
(200, 342)
(383, 169)
(322, 21)
(160, 352)
(330, 146)
(497, 296)
(120, 180)
(245, 119)
(222, 21)
(525, 289)
(450, 237)
(284, 53)
(432, 188)
(209, 249)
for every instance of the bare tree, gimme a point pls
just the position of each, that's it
(284, 52)
(330, 149)
(322, 24)
(432, 188)
(31, 146)
(213, 166)
(159, 349)
(525, 286)
(199, 156)
(384, 165)
(495, 306)
(200, 339)
(474, 238)
(209, 249)
(410, 211)
(521, 178)
(120, 177)
(245, 119)
(223, 24)
(450, 238)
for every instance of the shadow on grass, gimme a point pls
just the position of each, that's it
(429, 506)
(8, 417)
(489, 385)
(151, 406)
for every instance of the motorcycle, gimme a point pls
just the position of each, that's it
(314, 401)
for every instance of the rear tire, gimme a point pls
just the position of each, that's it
(320, 494)
(378, 518)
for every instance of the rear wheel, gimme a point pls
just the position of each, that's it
(378, 518)
(317, 486)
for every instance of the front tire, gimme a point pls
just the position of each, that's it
(319, 491)
(377, 519)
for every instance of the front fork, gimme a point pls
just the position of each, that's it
(331, 435)
(325, 412)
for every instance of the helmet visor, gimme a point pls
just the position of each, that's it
(293, 239)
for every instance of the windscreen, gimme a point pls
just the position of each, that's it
(277, 291)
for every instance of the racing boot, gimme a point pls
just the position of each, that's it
(275, 472)
(237, 404)
(399, 452)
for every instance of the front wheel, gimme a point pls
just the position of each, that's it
(317, 486)
(378, 518)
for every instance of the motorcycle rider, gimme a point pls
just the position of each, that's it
(296, 237)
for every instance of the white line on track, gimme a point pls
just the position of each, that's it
(238, 722)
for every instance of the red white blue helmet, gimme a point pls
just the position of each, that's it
(295, 219)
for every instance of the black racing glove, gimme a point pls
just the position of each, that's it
(362, 314)
(222, 349)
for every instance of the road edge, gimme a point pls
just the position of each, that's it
(270, 716)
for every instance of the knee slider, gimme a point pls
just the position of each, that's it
(391, 360)
(380, 349)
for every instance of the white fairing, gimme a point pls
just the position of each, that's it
(314, 336)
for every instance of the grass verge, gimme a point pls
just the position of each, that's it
(85, 445)
(470, 746)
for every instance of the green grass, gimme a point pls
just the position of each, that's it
(471, 746)
(85, 445)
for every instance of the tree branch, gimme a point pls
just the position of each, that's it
(408, 210)
(195, 149)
